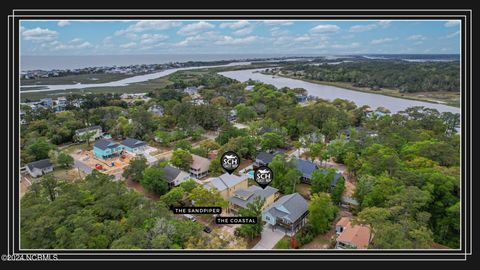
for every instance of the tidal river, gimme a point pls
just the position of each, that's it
(123, 82)
(331, 92)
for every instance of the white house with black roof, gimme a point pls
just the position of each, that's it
(175, 176)
(39, 168)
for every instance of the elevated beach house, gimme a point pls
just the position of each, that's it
(95, 130)
(39, 168)
(199, 167)
(134, 146)
(105, 148)
(289, 214)
(227, 184)
(175, 176)
(241, 198)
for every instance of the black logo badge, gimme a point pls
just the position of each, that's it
(230, 161)
(263, 176)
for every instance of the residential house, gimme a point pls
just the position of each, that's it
(95, 130)
(175, 176)
(134, 146)
(263, 159)
(39, 168)
(47, 102)
(191, 90)
(242, 197)
(227, 184)
(232, 115)
(289, 213)
(156, 109)
(306, 169)
(105, 148)
(352, 236)
(250, 87)
(301, 98)
(61, 104)
(200, 166)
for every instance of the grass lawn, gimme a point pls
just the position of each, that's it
(70, 149)
(303, 189)
(284, 243)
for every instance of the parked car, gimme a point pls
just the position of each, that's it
(207, 229)
(190, 217)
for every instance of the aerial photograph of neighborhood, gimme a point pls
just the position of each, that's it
(240, 134)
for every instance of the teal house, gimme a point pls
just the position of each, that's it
(105, 148)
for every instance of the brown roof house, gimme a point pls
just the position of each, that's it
(200, 166)
(352, 236)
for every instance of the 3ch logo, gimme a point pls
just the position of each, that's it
(263, 176)
(230, 161)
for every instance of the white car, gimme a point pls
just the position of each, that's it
(190, 217)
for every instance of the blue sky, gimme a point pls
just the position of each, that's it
(238, 37)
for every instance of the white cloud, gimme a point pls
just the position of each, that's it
(147, 39)
(235, 25)
(362, 28)
(143, 26)
(243, 31)
(195, 28)
(452, 23)
(63, 23)
(451, 35)
(384, 23)
(302, 38)
(129, 45)
(39, 34)
(346, 46)
(228, 40)
(278, 22)
(381, 40)
(325, 28)
(416, 37)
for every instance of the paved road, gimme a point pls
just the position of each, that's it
(269, 238)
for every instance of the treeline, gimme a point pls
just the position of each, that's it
(98, 213)
(405, 76)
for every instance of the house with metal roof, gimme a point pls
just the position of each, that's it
(289, 213)
(105, 148)
(39, 168)
(227, 184)
(306, 169)
(175, 176)
(134, 146)
(241, 198)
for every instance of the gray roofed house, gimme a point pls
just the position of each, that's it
(175, 176)
(133, 145)
(242, 197)
(306, 168)
(40, 167)
(226, 184)
(263, 159)
(200, 166)
(288, 213)
(105, 144)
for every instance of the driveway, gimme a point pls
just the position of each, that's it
(82, 166)
(269, 238)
